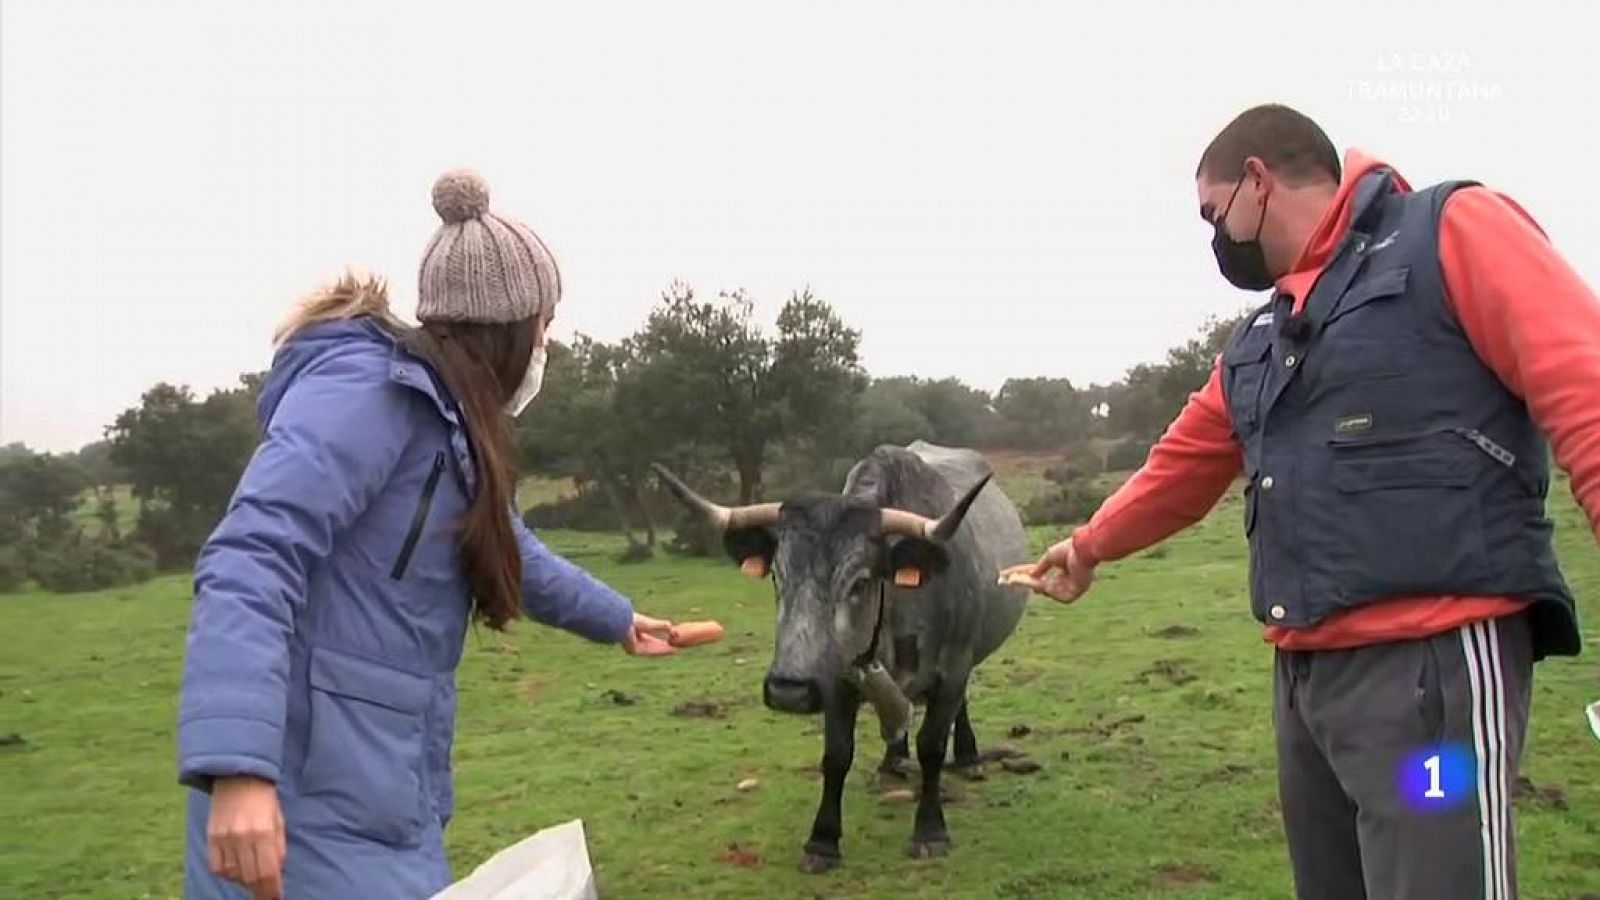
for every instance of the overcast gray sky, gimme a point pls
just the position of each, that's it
(986, 190)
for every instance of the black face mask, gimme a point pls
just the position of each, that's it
(1243, 263)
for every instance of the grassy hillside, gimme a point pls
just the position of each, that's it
(1146, 705)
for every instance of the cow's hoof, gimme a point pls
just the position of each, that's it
(970, 771)
(898, 767)
(930, 849)
(817, 863)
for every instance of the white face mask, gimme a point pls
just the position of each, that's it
(532, 379)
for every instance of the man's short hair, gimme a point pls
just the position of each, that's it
(1293, 147)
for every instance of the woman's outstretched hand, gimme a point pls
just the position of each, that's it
(648, 637)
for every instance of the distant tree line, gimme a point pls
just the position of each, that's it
(751, 412)
(757, 414)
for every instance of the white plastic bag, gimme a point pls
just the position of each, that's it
(550, 865)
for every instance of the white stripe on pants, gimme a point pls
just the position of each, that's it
(1480, 642)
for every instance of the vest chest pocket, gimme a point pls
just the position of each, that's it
(1385, 285)
(365, 751)
(1245, 375)
(1350, 360)
(1363, 348)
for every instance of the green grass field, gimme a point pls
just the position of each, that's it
(1155, 745)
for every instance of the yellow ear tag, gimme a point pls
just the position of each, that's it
(908, 577)
(754, 566)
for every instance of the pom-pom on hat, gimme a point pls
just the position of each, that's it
(482, 267)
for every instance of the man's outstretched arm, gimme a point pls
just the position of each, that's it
(1186, 473)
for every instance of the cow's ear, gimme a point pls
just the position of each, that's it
(911, 563)
(752, 548)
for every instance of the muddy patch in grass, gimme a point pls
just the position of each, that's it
(1105, 730)
(999, 753)
(700, 709)
(1171, 671)
(1020, 766)
(745, 857)
(1229, 772)
(1021, 675)
(531, 687)
(1175, 631)
(1210, 700)
(1182, 875)
(1528, 793)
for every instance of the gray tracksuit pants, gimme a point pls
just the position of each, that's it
(1368, 740)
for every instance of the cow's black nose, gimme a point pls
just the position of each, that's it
(791, 695)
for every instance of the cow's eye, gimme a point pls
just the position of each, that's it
(862, 586)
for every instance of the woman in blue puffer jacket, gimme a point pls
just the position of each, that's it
(374, 523)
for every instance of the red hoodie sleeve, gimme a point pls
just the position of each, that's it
(1531, 318)
(1187, 472)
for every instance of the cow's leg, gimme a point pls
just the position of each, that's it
(929, 836)
(897, 758)
(839, 738)
(966, 762)
(897, 755)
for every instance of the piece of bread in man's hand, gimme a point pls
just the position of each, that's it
(1020, 577)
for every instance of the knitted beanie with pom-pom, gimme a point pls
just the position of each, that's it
(482, 267)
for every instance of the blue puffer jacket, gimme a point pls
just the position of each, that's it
(330, 611)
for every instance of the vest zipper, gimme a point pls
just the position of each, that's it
(1496, 452)
(419, 518)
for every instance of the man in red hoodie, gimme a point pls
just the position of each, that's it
(1389, 409)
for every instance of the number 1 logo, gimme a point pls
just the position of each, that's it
(1434, 792)
(1437, 778)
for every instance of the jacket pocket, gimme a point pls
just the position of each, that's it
(365, 752)
(419, 519)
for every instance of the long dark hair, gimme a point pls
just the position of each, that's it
(481, 366)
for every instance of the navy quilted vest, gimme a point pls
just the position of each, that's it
(1383, 457)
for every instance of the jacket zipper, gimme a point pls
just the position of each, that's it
(419, 518)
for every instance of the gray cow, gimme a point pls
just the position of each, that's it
(887, 593)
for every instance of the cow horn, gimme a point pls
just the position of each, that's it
(725, 518)
(910, 524)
